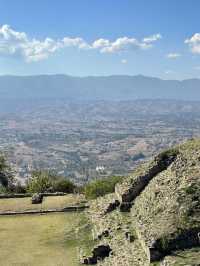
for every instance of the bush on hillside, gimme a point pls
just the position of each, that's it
(63, 185)
(101, 187)
(40, 182)
(169, 153)
(47, 181)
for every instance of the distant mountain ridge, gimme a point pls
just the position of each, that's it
(118, 87)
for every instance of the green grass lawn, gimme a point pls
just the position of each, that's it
(53, 202)
(43, 240)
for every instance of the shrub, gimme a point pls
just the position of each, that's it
(47, 181)
(63, 185)
(40, 182)
(101, 187)
(3, 190)
(169, 153)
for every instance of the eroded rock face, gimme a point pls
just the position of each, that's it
(99, 253)
(37, 198)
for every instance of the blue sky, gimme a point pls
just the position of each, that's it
(100, 37)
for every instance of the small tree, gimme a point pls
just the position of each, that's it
(40, 182)
(47, 181)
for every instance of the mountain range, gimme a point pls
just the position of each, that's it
(117, 87)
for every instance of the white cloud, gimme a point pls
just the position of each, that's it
(122, 44)
(152, 38)
(74, 42)
(124, 61)
(173, 55)
(18, 43)
(194, 43)
(100, 43)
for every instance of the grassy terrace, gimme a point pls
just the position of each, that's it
(24, 204)
(50, 239)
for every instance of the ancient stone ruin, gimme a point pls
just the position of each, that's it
(153, 214)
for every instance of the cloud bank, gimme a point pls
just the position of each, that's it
(32, 50)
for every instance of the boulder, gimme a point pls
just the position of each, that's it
(37, 198)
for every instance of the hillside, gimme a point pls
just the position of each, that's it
(153, 218)
(116, 87)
